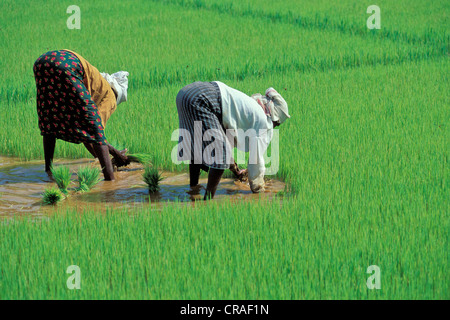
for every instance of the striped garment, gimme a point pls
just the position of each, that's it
(200, 104)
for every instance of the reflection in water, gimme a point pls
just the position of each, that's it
(22, 183)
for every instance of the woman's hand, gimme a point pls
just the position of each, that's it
(242, 175)
(119, 157)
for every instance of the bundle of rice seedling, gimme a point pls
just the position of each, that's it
(152, 177)
(88, 177)
(143, 158)
(52, 195)
(62, 175)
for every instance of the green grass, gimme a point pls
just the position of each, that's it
(365, 154)
(294, 251)
(298, 49)
(88, 177)
(52, 196)
(62, 176)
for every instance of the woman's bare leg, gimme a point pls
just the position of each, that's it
(102, 152)
(214, 177)
(194, 174)
(90, 148)
(49, 150)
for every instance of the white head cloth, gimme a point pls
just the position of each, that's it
(119, 82)
(277, 105)
(273, 105)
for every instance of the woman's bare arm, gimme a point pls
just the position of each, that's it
(105, 161)
(120, 158)
(242, 175)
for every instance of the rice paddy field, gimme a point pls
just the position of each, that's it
(365, 155)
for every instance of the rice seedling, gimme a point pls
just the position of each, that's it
(62, 175)
(52, 196)
(88, 177)
(281, 194)
(152, 177)
(143, 158)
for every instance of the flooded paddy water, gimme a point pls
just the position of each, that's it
(22, 184)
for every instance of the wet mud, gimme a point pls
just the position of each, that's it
(22, 184)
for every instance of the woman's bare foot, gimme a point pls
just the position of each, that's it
(50, 175)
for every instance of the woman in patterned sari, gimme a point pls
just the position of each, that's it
(74, 102)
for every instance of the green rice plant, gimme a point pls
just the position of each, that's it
(52, 196)
(401, 40)
(143, 158)
(88, 177)
(152, 177)
(254, 239)
(366, 179)
(62, 175)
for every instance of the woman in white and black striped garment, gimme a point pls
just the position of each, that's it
(217, 109)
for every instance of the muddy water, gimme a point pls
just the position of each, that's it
(22, 183)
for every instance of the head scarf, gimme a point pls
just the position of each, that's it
(263, 102)
(119, 82)
(273, 105)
